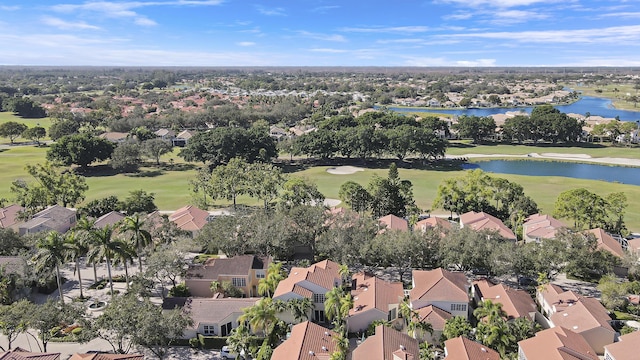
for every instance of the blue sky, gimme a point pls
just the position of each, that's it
(320, 33)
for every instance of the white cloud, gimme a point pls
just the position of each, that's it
(9, 8)
(626, 15)
(393, 29)
(327, 50)
(245, 43)
(611, 35)
(271, 11)
(441, 61)
(125, 9)
(66, 25)
(324, 37)
(324, 9)
(401, 41)
(497, 3)
(507, 17)
(458, 16)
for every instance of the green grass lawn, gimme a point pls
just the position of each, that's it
(7, 116)
(171, 187)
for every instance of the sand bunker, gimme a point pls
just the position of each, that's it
(344, 170)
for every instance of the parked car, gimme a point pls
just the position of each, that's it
(527, 281)
(226, 353)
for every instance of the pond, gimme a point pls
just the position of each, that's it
(586, 104)
(625, 175)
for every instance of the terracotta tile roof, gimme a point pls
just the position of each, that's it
(483, 221)
(626, 348)
(582, 315)
(557, 344)
(634, 244)
(542, 226)
(308, 341)
(100, 356)
(324, 274)
(9, 215)
(371, 292)
(189, 218)
(439, 285)
(516, 303)
(384, 344)
(434, 316)
(392, 222)
(432, 222)
(209, 310)
(108, 219)
(238, 265)
(461, 348)
(22, 354)
(606, 242)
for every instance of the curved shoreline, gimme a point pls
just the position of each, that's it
(583, 158)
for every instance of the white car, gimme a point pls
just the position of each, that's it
(226, 353)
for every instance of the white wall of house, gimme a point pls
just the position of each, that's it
(454, 308)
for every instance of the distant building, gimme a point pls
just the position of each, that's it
(53, 218)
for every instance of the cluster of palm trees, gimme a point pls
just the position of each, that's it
(111, 244)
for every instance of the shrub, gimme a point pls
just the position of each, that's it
(194, 342)
(180, 290)
(76, 331)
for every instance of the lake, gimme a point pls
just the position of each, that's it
(625, 175)
(593, 105)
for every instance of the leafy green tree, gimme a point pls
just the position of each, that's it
(118, 323)
(476, 128)
(126, 156)
(221, 234)
(63, 127)
(25, 108)
(52, 187)
(354, 195)
(139, 201)
(616, 204)
(155, 148)
(299, 191)
(391, 195)
(43, 318)
(166, 265)
(496, 334)
(489, 311)
(11, 244)
(13, 321)
(98, 207)
(300, 308)
(80, 149)
(230, 180)
(35, 133)
(581, 205)
(265, 182)
(52, 252)
(12, 130)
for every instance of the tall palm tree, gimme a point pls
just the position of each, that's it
(140, 237)
(268, 285)
(104, 247)
(52, 252)
(78, 247)
(261, 316)
(84, 227)
(337, 304)
(124, 257)
(497, 335)
(489, 311)
(300, 308)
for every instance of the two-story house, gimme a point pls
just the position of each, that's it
(556, 343)
(444, 289)
(244, 272)
(312, 282)
(483, 221)
(373, 299)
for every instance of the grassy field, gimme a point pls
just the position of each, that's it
(6, 117)
(170, 184)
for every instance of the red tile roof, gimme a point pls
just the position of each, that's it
(461, 348)
(582, 315)
(384, 344)
(190, 218)
(626, 348)
(392, 222)
(324, 274)
(240, 265)
(308, 341)
(434, 316)
(607, 242)
(371, 292)
(439, 285)
(22, 354)
(557, 343)
(78, 356)
(483, 221)
(542, 226)
(516, 303)
(432, 222)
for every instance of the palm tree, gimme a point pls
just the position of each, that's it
(344, 273)
(417, 328)
(337, 304)
(268, 285)
(139, 236)
(52, 252)
(123, 257)
(84, 227)
(489, 311)
(78, 248)
(496, 334)
(105, 248)
(261, 316)
(300, 308)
